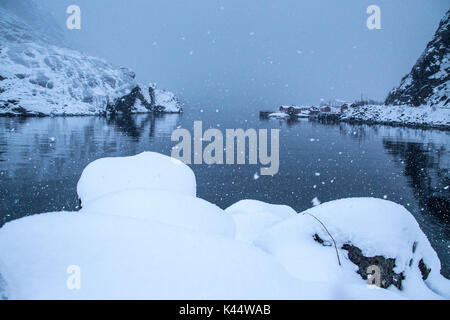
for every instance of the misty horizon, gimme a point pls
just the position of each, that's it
(274, 53)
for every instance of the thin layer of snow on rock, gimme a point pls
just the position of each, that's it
(253, 217)
(168, 100)
(419, 116)
(148, 170)
(171, 208)
(278, 115)
(377, 227)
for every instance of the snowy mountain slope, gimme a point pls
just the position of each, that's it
(40, 78)
(428, 83)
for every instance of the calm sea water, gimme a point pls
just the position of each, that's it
(41, 160)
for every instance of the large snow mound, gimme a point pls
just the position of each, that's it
(175, 209)
(143, 234)
(38, 77)
(148, 170)
(253, 217)
(377, 227)
(123, 258)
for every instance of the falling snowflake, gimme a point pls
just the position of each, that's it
(315, 202)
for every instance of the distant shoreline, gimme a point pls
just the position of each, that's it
(423, 117)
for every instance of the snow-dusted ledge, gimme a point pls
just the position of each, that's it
(143, 234)
(423, 116)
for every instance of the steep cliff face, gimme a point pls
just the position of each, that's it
(39, 77)
(428, 81)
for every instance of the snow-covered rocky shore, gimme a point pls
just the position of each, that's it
(405, 115)
(422, 98)
(39, 76)
(142, 233)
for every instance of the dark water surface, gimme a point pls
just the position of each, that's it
(41, 160)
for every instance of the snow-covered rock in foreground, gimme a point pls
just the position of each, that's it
(423, 116)
(380, 229)
(124, 258)
(253, 217)
(148, 170)
(39, 78)
(164, 207)
(143, 234)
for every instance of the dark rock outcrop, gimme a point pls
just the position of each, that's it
(127, 103)
(428, 81)
(386, 265)
(424, 270)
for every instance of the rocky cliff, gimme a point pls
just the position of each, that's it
(428, 81)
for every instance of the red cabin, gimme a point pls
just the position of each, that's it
(344, 107)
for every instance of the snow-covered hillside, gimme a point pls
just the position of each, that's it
(428, 83)
(422, 116)
(38, 77)
(423, 96)
(143, 234)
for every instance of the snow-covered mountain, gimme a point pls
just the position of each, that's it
(38, 76)
(428, 82)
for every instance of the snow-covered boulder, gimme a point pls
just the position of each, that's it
(379, 229)
(153, 187)
(253, 217)
(124, 258)
(150, 171)
(184, 211)
(143, 234)
(40, 76)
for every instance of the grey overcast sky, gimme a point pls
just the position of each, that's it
(260, 52)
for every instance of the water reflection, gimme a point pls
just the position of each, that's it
(427, 167)
(41, 161)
